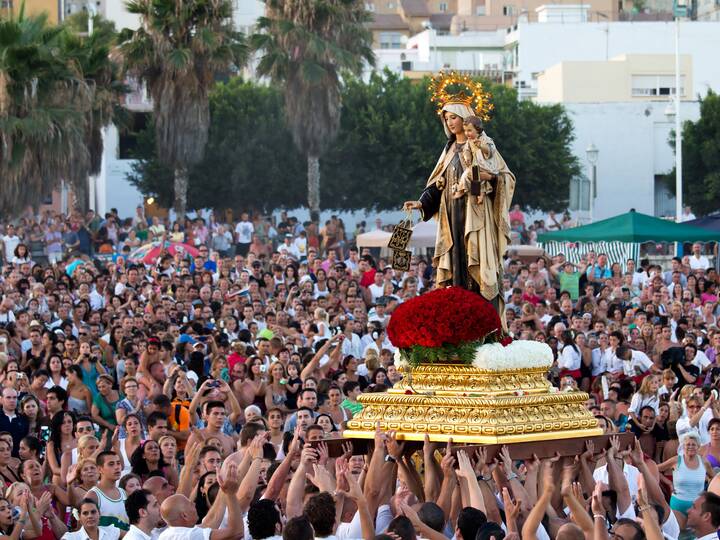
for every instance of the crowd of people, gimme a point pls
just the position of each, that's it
(194, 398)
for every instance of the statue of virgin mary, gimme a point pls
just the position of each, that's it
(473, 229)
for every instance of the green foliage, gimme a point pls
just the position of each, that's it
(307, 47)
(461, 353)
(250, 161)
(701, 158)
(178, 52)
(391, 138)
(389, 141)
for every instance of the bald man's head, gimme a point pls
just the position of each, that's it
(160, 487)
(570, 531)
(178, 511)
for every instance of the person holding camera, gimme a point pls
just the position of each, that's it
(90, 367)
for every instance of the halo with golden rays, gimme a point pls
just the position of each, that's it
(471, 93)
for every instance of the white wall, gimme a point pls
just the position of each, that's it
(115, 11)
(113, 188)
(632, 140)
(542, 45)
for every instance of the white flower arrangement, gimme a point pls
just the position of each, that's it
(516, 355)
(399, 360)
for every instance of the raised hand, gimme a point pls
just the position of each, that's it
(636, 455)
(43, 503)
(505, 459)
(354, 490)
(323, 454)
(394, 448)
(589, 453)
(512, 508)
(322, 478)
(447, 465)
(465, 468)
(309, 455)
(230, 484)
(596, 502)
(341, 467)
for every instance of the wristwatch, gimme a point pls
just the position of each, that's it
(390, 459)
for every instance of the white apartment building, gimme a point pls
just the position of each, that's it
(534, 47)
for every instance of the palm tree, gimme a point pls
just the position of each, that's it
(91, 56)
(306, 46)
(43, 102)
(178, 51)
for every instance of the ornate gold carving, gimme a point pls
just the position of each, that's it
(475, 406)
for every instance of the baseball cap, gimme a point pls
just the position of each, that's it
(184, 338)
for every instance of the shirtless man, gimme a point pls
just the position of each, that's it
(214, 419)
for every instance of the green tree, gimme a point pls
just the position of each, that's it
(250, 160)
(306, 46)
(391, 138)
(43, 106)
(701, 158)
(178, 52)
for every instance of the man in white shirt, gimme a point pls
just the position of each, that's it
(143, 511)
(181, 516)
(10, 242)
(243, 234)
(703, 517)
(698, 261)
(377, 287)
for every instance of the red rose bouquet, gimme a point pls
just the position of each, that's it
(443, 325)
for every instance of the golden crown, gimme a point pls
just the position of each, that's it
(471, 93)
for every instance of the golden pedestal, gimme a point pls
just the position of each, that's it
(469, 405)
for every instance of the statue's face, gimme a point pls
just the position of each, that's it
(454, 123)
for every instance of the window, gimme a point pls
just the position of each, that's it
(370, 6)
(6, 4)
(390, 40)
(664, 197)
(580, 194)
(391, 5)
(656, 85)
(443, 7)
(508, 10)
(128, 143)
(480, 10)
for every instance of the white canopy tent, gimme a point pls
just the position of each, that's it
(373, 239)
(424, 234)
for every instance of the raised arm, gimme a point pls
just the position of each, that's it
(534, 518)
(616, 478)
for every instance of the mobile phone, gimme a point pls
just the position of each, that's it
(263, 368)
(283, 381)
(44, 433)
(213, 384)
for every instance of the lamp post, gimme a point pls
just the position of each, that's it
(592, 157)
(680, 10)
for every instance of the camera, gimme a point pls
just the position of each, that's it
(214, 384)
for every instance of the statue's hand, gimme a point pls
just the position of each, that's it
(412, 205)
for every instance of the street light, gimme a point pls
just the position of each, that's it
(680, 9)
(592, 157)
